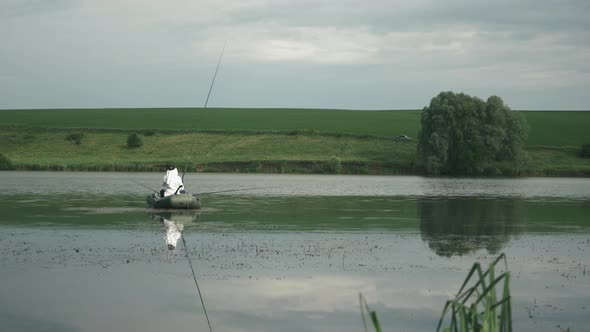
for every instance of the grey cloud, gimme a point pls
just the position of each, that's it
(19, 8)
(400, 16)
(108, 54)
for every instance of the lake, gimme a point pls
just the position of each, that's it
(82, 252)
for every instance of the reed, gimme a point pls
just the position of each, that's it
(368, 315)
(481, 305)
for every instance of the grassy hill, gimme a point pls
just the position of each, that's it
(251, 139)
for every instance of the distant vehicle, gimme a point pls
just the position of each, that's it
(402, 138)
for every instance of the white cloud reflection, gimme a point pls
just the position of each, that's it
(324, 294)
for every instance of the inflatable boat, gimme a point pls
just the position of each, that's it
(177, 201)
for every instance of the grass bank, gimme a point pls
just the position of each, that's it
(258, 140)
(290, 152)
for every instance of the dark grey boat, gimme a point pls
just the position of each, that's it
(177, 201)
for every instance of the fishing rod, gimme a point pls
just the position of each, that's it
(146, 187)
(205, 107)
(225, 191)
(215, 75)
(183, 174)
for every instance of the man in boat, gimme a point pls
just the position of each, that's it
(172, 182)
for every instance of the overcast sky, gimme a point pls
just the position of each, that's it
(377, 54)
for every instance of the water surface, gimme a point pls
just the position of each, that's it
(81, 252)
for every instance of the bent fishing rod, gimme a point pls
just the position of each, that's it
(205, 107)
(183, 174)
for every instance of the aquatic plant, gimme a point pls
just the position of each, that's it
(476, 306)
(366, 312)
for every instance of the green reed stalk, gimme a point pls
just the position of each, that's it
(366, 311)
(475, 308)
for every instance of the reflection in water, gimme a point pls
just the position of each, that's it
(460, 226)
(174, 222)
(172, 233)
(286, 259)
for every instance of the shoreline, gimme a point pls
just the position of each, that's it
(259, 141)
(282, 167)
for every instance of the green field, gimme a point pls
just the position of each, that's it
(380, 123)
(558, 128)
(35, 138)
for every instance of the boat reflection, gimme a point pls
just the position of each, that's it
(174, 223)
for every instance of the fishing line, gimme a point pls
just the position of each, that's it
(196, 283)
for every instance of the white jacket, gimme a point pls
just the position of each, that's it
(172, 182)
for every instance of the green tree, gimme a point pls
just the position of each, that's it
(134, 141)
(464, 135)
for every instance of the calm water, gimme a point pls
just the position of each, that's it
(81, 252)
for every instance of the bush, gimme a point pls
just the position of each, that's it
(75, 138)
(464, 135)
(335, 165)
(585, 153)
(149, 132)
(5, 163)
(134, 141)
